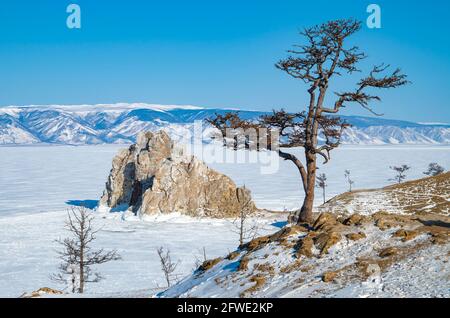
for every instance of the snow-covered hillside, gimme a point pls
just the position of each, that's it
(373, 253)
(120, 123)
(430, 195)
(357, 261)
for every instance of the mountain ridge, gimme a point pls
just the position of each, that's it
(121, 122)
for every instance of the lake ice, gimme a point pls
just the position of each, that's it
(37, 182)
(44, 178)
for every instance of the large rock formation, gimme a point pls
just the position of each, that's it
(155, 176)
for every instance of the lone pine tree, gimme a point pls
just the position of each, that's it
(322, 58)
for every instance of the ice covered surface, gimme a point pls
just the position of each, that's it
(44, 178)
(36, 182)
(28, 250)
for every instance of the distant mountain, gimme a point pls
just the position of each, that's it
(120, 123)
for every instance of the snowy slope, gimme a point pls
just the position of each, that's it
(13, 132)
(377, 255)
(120, 123)
(275, 271)
(424, 195)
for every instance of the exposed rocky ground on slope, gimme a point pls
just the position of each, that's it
(431, 195)
(155, 176)
(382, 255)
(42, 292)
(372, 254)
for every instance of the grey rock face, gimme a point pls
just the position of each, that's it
(155, 176)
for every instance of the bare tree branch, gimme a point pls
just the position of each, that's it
(323, 55)
(167, 265)
(77, 255)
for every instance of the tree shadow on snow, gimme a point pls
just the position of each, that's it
(89, 204)
(280, 224)
(232, 267)
(434, 223)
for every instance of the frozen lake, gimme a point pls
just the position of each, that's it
(45, 178)
(37, 182)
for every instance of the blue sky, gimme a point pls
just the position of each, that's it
(212, 53)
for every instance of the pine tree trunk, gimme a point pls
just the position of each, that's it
(306, 212)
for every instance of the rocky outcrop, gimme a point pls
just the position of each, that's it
(155, 176)
(336, 257)
(42, 292)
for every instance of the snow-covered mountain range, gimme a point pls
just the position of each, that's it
(120, 123)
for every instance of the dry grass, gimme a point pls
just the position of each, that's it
(405, 235)
(265, 268)
(408, 234)
(304, 245)
(208, 264)
(243, 264)
(427, 195)
(291, 267)
(280, 237)
(328, 231)
(259, 281)
(233, 255)
(356, 236)
(329, 276)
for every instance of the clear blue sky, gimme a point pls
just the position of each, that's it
(211, 53)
